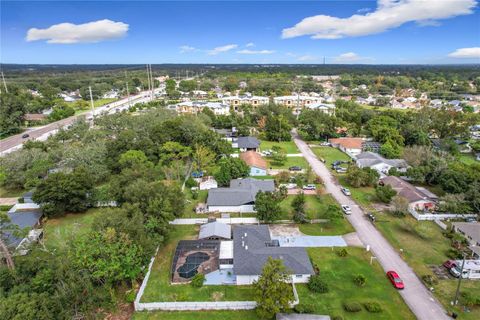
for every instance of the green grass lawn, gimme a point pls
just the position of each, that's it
(159, 288)
(291, 161)
(11, 193)
(58, 232)
(339, 272)
(197, 315)
(364, 195)
(191, 203)
(287, 146)
(422, 251)
(330, 155)
(467, 158)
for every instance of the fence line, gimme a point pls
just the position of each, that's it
(439, 216)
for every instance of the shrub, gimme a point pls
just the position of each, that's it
(21, 200)
(304, 308)
(342, 252)
(352, 306)
(190, 183)
(454, 254)
(470, 300)
(337, 317)
(360, 280)
(130, 296)
(198, 280)
(316, 284)
(373, 307)
(429, 279)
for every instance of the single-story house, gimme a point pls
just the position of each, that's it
(418, 198)
(471, 231)
(240, 197)
(252, 246)
(215, 231)
(228, 134)
(372, 146)
(258, 165)
(326, 108)
(380, 164)
(351, 146)
(34, 117)
(246, 144)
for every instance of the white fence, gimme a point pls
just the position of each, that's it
(223, 220)
(439, 216)
(203, 305)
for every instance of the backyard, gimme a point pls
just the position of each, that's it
(287, 146)
(424, 245)
(159, 288)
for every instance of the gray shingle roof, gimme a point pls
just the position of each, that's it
(251, 252)
(248, 142)
(368, 159)
(470, 229)
(215, 229)
(241, 192)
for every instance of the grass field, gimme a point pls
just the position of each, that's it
(364, 195)
(467, 159)
(58, 232)
(423, 244)
(11, 193)
(191, 203)
(197, 315)
(159, 287)
(287, 146)
(330, 155)
(291, 161)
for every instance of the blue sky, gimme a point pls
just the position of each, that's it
(381, 32)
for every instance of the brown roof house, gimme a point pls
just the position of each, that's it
(351, 146)
(258, 165)
(418, 198)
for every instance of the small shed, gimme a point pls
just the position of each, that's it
(215, 231)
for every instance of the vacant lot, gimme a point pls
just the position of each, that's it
(330, 154)
(423, 244)
(287, 146)
(159, 288)
(364, 195)
(290, 162)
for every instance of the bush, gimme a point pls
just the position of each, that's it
(304, 308)
(130, 296)
(21, 200)
(316, 284)
(470, 300)
(352, 306)
(429, 279)
(360, 280)
(190, 183)
(373, 307)
(198, 280)
(454, 254)
(337, 317)
(342, 252)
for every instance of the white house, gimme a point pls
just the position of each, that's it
(418, 198)
(351, 146)
(324, 107)
(236, 101)
(380, 164)
(207, 183)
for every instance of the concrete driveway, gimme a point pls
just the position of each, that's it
(418, 298)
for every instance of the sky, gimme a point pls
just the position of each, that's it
(128, 32)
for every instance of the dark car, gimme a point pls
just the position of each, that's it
(26, 135)
(449, 264)
(295, 168)
(371, 217)
(395, 280)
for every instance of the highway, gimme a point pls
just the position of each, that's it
(15, 142)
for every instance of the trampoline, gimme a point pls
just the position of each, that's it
(190, 267)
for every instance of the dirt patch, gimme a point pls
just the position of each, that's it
(279, 230)
(298, 190)
(217, 296)
(8, 201)
(441, 272)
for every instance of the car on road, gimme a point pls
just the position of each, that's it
(288, 185)
(449, 264)
(371, 217)
(295, 168)
(26, 135)
(470, 219)
(395, 280)
(309, 187)
(346, 209)
(346, 191)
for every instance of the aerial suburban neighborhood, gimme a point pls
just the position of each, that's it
(307, 160)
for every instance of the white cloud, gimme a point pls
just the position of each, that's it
(466, 53)
(246, 51)
(348, 57)
(221, 49)
(184, 49)
(67, 33)
(307, 57)
(250, 44)
(389, 14)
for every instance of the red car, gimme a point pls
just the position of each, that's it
(395, 279)
(449, 264)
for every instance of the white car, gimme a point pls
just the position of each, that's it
(346, 191)
(346, 209)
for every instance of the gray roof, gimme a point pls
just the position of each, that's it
(248, 142)
(368, 159)
(215, 229)
(251, 252)
(23, 219)
(241, 192)
(470, 229)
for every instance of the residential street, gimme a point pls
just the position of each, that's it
(418, 298)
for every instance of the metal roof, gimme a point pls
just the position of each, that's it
(248, 142)
(215, 229)
(241, 192)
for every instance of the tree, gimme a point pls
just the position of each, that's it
(298, 205)
(278, 156)
(198, 280)
(266, 206)
(272, 292)
(202, 158)
(391, 150)
(187, 85)
(231, 168)
(277, 128)
(363, 177)
(385, 193)
(61, 111)
(400, 205)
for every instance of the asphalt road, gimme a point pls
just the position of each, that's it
(417, 297)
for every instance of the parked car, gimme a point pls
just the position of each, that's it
(449, 264)
(371, 217)
(325, 144)
(26, 135)
(289, 185)
(395, 280)
(323, 160)
(346, 209)
(470, 219)
(309, 187)
(346, 191)
(456, 271)
(341, 170)
(295, 168)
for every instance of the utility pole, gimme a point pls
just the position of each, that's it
(4, 83)
(128, 92)
(152, 84)
(91, 101)
(148, 78)
(455, 302)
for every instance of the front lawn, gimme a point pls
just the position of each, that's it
(290, 162)
(423, 244)
(330, 155)
(363, 195)
(339, 272)
(159, 288)
(287, 146)
(197, 315)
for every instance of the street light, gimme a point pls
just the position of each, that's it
(455, 301)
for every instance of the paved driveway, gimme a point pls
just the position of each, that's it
(417, 297)
(310, 241)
